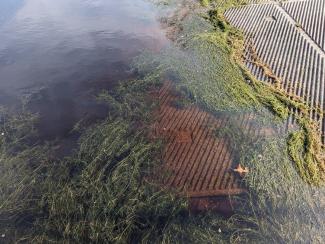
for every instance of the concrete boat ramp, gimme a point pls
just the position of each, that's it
(289, 37)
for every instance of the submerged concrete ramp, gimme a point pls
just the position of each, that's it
(289, 38)
(197, 162)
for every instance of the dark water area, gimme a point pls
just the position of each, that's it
(59, 54)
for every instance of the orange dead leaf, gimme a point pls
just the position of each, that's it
(241, 170)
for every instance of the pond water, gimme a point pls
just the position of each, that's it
(62, 52)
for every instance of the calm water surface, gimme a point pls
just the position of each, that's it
(64, 51)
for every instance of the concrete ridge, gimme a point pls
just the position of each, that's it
(303, 32)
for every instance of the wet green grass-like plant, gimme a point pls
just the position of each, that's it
(102, 193)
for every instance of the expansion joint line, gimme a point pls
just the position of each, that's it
(303, 33)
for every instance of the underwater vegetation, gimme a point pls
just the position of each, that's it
(102, 192)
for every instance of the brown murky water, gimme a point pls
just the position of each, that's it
(59, 54)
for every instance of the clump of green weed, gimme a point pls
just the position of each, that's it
(305, 149)
(222, 4)
(205, 3)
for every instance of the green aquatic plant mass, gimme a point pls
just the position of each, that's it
(104, 193)
(101, 193)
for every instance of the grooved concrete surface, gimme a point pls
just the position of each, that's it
(198, 163)
(310, 15)
(289, 37)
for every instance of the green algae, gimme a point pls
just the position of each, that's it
(205, 3)
(221, 3)
(101, 193)
(305, 148)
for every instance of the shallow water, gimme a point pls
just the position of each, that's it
(59, 54)
(60, 59)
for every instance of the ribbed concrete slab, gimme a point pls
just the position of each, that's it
(287, 37)
(198, 163)
(310, 16)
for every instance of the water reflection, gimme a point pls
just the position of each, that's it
(66, 50)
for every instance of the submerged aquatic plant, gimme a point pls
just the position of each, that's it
(102, 192)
